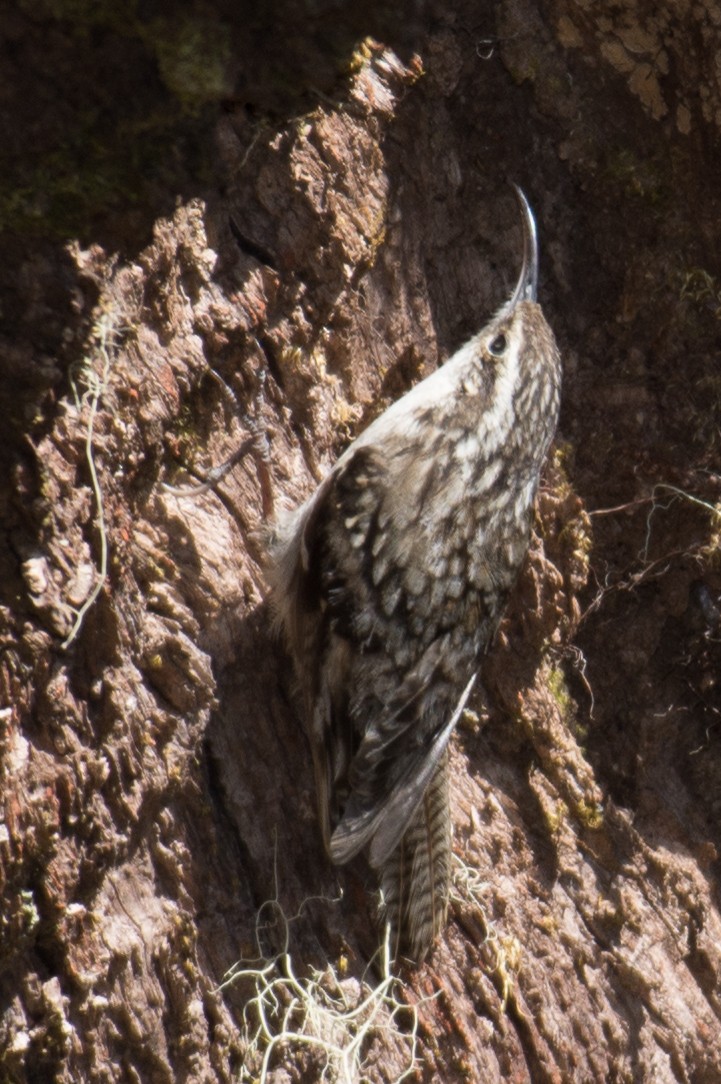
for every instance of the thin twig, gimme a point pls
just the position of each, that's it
(95, 394)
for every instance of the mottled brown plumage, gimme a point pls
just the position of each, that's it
(389, 583)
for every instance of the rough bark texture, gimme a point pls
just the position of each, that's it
(157, 826)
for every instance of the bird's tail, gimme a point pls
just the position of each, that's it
(415, 880)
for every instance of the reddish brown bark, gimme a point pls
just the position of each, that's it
(158, 826)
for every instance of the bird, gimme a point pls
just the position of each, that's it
(389, 583)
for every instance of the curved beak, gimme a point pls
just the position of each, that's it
(527, 285)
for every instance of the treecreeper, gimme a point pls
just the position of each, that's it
(389, 583)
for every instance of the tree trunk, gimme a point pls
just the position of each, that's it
(166, 909)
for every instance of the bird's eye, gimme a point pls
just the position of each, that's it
(498, 346)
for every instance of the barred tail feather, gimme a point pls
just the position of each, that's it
(416, 878)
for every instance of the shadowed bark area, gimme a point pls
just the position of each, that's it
(343, 222)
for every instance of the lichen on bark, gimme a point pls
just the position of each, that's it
(155, 784)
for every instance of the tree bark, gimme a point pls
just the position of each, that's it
(166, 909)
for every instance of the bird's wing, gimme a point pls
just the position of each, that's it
(390, 778)
(379, 725)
